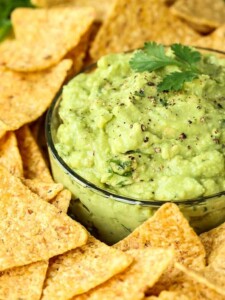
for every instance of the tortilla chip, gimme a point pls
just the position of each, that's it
(46, 191)
(24, 282)
(80, 270)
(102, 7)
(78, 54)
(215, 40)
(44, 36)
(34, 164)
(25, 97)
(31, 229)
(146, 269)
(168, 228)
(203, 16)
(212, 241)
(62, 200)
(198, 278)
(132, 23)
(168, 295)
(9, 154)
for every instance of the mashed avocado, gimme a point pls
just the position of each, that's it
(120, 133)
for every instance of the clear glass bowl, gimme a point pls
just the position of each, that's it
(111, 217)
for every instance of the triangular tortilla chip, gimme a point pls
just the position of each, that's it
(168, 228)
(215, 40)
(44, 36)
(212, 241)
(62, 200)
(132, 23)
(46, 191)
(34, 164)
(24, 282)
(131, 284)
(9, 154)
(201, 15)
(25, 97)
(102, 7)
(82, 269)
(31, 229)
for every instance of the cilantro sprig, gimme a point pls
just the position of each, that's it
(6, 7)
(153, 57)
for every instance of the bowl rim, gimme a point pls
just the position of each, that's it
(104, 192)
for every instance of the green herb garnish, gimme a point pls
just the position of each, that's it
(153, 57)
(6, 7)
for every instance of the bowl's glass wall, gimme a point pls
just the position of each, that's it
(111, 217)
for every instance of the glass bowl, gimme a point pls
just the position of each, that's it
(111, 217)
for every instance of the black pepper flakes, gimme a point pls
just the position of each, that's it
(182, 136)
(146, 139)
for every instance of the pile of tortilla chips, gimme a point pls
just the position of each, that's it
(45, 254)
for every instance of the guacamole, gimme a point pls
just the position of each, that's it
(114, 128)
(123, 135)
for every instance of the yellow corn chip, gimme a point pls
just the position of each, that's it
(168, 228)
(34, 164)
(31, 229)
(9, 154)
(62, 200)
(212, 241)
(25, 97)
(202, 15)
(44, 36)
(199, 280)
(131, 284)
(82, 269)
(102, 7)
(215, 40)
(46, 191)
(168, 295)
(24, 282)
(132, 23)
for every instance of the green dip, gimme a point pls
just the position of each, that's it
(122, 135)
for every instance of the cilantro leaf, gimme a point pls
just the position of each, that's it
(151, 58)
(175, 81)
(186, 54)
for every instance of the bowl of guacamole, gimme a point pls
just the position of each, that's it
(140, 129)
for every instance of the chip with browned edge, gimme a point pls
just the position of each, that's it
(25, 97)
(32, 229)
(44, 36)
(148, 265)
(132, 23)
(9, 154)
(82, 269)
